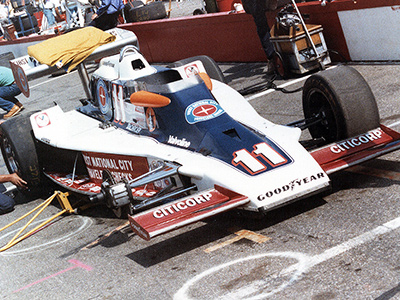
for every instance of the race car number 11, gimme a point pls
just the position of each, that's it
(251, 161)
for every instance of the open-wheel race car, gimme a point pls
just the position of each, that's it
(168, 146)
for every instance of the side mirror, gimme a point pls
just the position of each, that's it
(206, 79)
(148, 99)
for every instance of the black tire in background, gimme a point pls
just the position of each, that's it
(211, 6)
(345, 101)
(212, 68)
(152, 11)
(128, 6)
(19, 152)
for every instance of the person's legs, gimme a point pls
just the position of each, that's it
(105, 21)
(258, 8)
(6, 105)
(263, 31)
(51, 20)
(9, 102)
(6, 204)
(10, 92)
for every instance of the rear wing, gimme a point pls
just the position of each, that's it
(26, 68)
(356, 150)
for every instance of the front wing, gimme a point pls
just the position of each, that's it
(356, 150)
(184, 211)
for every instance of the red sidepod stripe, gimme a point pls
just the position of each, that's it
(346, 153)
(184, 211)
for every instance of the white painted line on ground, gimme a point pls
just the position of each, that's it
(49, 80)
(263, 93)
(394, 124)
(255, 96)
(86, 223)
(350, 244)
(294, 272)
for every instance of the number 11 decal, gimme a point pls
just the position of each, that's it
(251, 162)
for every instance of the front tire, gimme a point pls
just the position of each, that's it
(343, 100)
(19, 152)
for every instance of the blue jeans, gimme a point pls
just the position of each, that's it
(6, 203)
(7, 96)
(51, 20)
(257, 9)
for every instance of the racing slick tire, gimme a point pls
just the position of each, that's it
(212, 68)
(19, 152)
(343, 100)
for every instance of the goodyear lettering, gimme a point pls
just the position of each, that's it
(108, 64)
(357, 141)
(290, 186)
(182, 205)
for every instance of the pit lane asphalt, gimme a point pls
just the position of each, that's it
(340, 245)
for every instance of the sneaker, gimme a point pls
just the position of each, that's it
(13, 111)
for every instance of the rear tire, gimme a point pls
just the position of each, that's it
(344, 100)
(19, 152)
(212, 68)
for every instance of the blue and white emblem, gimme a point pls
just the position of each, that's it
(203, 110)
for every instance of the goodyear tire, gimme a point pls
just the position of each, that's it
(19, 152)
(212, 68)
(344, 101)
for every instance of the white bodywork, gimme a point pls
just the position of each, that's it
(76, 131)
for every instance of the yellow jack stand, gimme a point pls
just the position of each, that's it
(66, 208)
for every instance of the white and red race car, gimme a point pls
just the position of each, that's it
(168, 146)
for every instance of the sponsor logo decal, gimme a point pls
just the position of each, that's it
(138, 229)
(20, 76)
(291, 186)
(21, 61)
(103, 97)
(182, 205)
(42, 120)
(357, 141)
(178, 142)
(203, 110)
(108, 64)
(191, 70)
(134, 127)
(120, 166)
(151, 119)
